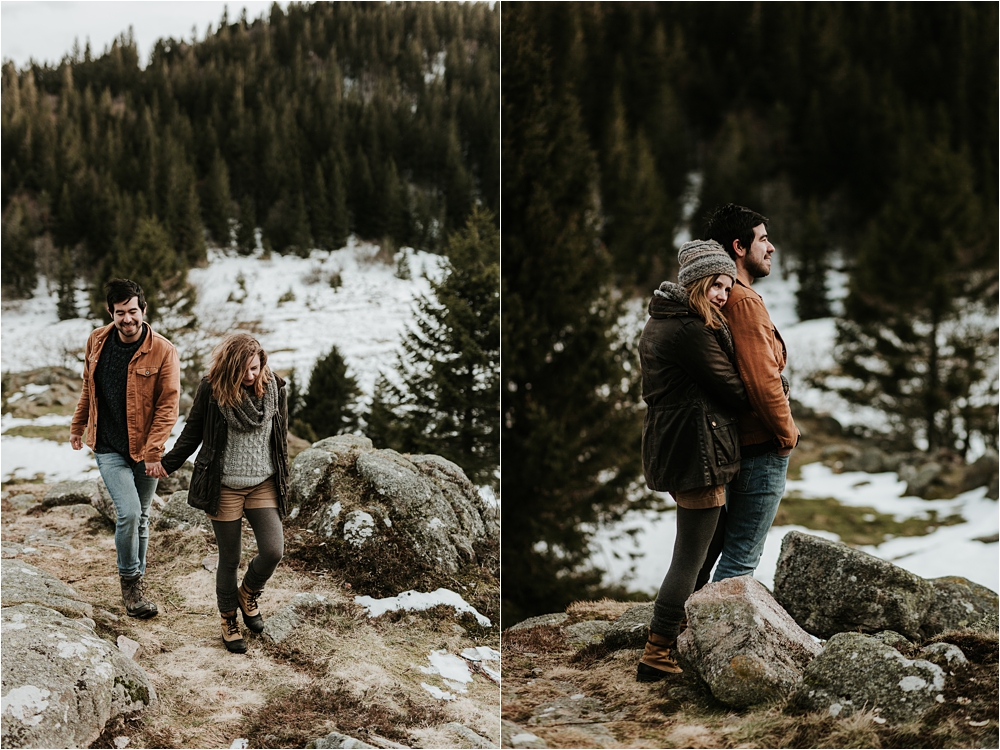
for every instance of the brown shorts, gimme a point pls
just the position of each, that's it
(232, 502)
(701, 497)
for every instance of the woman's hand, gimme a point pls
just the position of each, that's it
(156, 470)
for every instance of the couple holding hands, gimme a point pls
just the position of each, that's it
(127, 409)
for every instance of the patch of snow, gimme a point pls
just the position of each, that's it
(415, 601)
(453, 670)
(240, 744)
(637, 550)
(437, 692)
(481, 653)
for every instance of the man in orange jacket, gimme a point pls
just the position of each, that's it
(128, 406)
(767, 432)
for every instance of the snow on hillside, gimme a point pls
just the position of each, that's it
(287, 301)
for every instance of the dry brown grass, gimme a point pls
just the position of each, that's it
(342, 669)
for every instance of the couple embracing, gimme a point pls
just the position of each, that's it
(718, 428)
(127, 409)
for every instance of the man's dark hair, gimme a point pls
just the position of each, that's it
(731, 222)
(122, 290)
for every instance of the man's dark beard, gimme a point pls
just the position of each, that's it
(755, 269)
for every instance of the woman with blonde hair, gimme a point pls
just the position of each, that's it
(690, 447)
(240, 419)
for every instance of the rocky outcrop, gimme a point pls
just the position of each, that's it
(829, 588)
(514, 736)
(378, 507)
(26, 584)
(177, 514)
(630, 628)
(179, 480)
(85, 492)
(555, 618)
(985, 470)
(61, 682)
(857, 671)
(958, 602)
(283, 623)
(742, 644)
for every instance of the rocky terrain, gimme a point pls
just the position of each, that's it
(848, 651)
(337, 664)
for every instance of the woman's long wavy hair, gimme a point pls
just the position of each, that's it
(698, 301)
(230, 361)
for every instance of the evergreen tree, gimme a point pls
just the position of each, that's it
(328, 405)
(149, 260)
(925, 276)
(246, 238)
(18, 259)
(571, 430)
(218, 201)
(812, 298)
(339, 221)
(66, 307)
(448, 395)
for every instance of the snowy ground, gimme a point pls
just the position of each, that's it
(287, 301)
(643, 556)
(364, 317)
(638, 549)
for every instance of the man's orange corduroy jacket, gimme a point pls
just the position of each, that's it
(152, 393)
(760, 358)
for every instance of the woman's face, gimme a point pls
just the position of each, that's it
(718, 293)
(252, 371)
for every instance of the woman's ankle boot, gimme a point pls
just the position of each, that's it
(657, 660)
(231, 636)
(247, 599)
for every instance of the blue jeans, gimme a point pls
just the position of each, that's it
(751, 503)
(132, 492)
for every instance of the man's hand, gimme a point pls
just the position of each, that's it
(156, 470)
(785, 452)
(76, 442)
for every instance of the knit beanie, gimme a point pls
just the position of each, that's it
(700, 258)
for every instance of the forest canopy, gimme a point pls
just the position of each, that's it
(379, 119)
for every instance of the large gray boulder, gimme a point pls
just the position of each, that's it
(379, 504)
(26, 584)
(61, 682)
(742, 644)
(858, 671)
(84, 492)
(630, 628)
(177, 514)
(958, 603)
(829, 588)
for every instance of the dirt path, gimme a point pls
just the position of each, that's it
(341, 672)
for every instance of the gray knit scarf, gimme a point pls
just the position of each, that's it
(676, 293)
(253, 412)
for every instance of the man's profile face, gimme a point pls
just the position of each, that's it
(127, 317)
(757, 261)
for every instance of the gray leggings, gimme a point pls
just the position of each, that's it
(266, 525)
(698, 545)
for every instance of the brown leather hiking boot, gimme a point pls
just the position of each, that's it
(247, 599)
(134, 598)
(231, 637)
(657, 660)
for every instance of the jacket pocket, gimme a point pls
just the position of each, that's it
(725, 439)
(198, 490)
